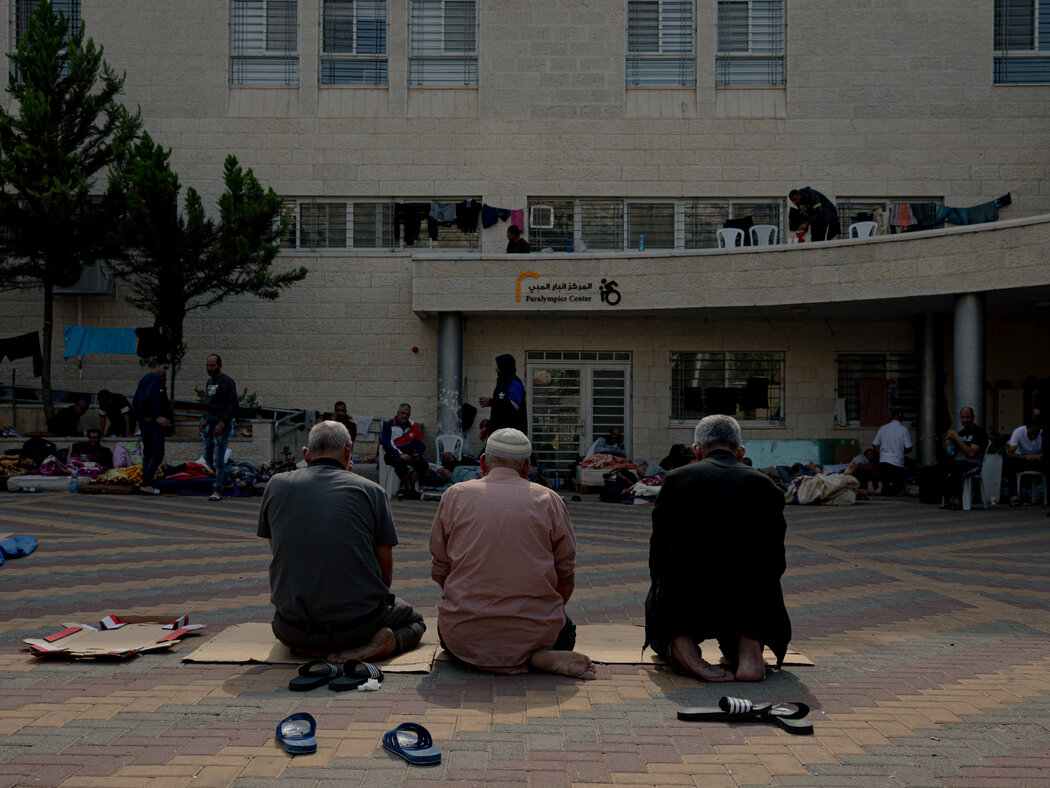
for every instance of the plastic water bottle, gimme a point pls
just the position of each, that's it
(568, 243)
(74, 481)
(557, 480)
(641, 242)
(950, 449)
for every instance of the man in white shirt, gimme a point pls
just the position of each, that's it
(1024, 453)
(892, 441)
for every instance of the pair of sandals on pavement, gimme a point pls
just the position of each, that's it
(790, 716)
(297, 733)
(351, 675)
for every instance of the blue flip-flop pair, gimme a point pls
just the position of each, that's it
(16, 547)
(297, 733)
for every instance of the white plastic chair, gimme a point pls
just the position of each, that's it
(450, 443)
(989, 478)
(1038, 477)
(729, 237)
(764, 234)
(863, 229)
(387, 478)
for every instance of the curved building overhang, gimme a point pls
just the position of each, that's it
(908, 273)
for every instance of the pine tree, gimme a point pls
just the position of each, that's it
(66, 127)
(175, 263)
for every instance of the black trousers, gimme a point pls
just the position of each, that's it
(397, 615)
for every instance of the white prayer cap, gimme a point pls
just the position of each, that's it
(510, 443)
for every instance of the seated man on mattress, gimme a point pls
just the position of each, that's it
(333, 539)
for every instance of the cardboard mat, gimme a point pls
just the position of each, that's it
(254, 642)
(611, 644)
(621, 644)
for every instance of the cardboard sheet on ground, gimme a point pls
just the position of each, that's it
(114, 637)
(254, 642)
(621, 644)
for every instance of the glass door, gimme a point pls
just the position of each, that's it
(575, 396)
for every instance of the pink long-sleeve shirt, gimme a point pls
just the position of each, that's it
(500, 546)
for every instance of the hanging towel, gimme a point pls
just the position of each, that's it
(504, 213)
(874, 402)
(840, 412)
(517, 217)
(24, 346)
(85, 340)
(488, 216)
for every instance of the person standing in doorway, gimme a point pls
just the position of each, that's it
(508, 398)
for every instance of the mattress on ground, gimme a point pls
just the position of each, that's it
(15, 483)
(591, 477)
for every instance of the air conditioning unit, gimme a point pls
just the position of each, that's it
(541, 217)
(94, 280)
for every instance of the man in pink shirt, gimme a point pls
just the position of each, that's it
(504, 555)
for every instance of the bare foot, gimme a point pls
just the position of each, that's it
(814, 467)
(688, 656)
(564, 663)
(750, 665)
(381, 645)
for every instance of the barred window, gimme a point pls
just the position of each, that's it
(653, 221)
(322, 225)
(746, 385)
(899, 370)
(618, 224)
(353, 42)
(1022, 42)
(442, 43)
(264, 42)
(750, 43)
(23, 12)
(660, 49)
(373, 225)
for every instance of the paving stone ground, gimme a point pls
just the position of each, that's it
(930, 631)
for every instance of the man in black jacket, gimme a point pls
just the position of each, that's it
(220, 408)
(819, 213)
(508, 398)
(715, 559)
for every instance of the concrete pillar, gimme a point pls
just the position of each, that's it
(928, 363)
(969, 356)
(450, 373)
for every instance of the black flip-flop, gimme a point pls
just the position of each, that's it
(355, 673)
(792, 721)
(311, 676)
(742, 710)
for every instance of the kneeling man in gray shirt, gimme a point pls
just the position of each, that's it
(332, 539)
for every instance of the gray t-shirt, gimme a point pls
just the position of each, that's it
(325, 523)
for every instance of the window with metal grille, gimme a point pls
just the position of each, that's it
(353, 42)
(744, 384)
(703, 219)
(1022, 42)
(900, 369)
(373, 225)
(750, 43)
(24, 9)
(322, 225)
(660, 38)
(619, 224)
(264, 42)
(442, 43)
(922, 212)
(654, 221)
